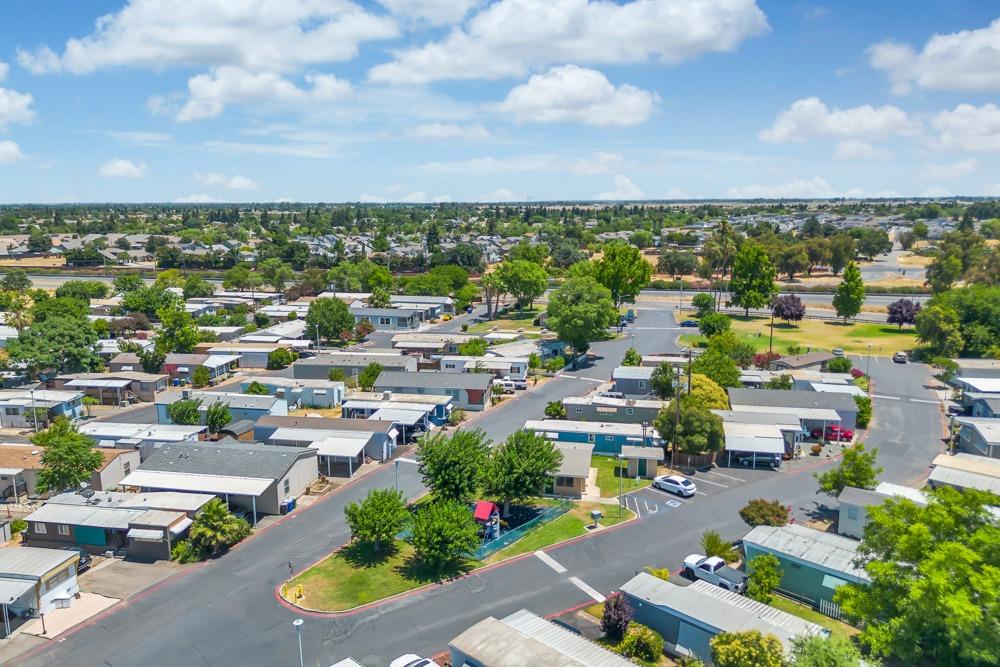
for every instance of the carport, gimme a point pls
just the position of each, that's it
(12, 590)
(13, 474)
(401, 418)
(223, 486)
(346, 447)
(808, 417)
(114, 386)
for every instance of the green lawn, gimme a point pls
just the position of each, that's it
(809, 614)
(512, 320)
(607, 476)
(571, 524)
(884, 339)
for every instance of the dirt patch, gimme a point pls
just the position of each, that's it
(34, 262)
(123, 579)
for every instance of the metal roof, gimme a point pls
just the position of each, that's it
(899, 491)
(342, 444)
(434, 380)
(823, 550)
(852, 495)
(325, 423)
(755, 445)
(12, 589)
(780, 419)
(604, 401)
(147, 534)
(399, 416)
(100, 384)
(215, 484)
(791, 399)
(737, 429)
(812, 414)
(604, 428)
(158, 432)
(988, 429)
(226, 459)
(575, 459)
(220, 360)
(85, 515)
(568, 644)
(968, 462)
(981, 385)
(633, 373)
(850, 389)
(964, 479)
(32, 561)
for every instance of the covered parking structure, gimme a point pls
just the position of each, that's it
(229, 488)
(114, 388)
(809, 418)
(407, 422)
(753, 441)
(346, 448)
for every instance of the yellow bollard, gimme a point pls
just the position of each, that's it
(299, 593)
(284, 591)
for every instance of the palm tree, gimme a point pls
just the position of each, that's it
(216, 528)
(20, 316)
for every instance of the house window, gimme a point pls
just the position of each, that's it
(629, 411)
(127, 368)
(564, 481)
(642, 384)
(40, 528)
(126, 467)
(11, 411)
(63, 529)
(287, 486)
(579, 411)
(852, 513)
(385, 320)
(590, 437)
(609, 438)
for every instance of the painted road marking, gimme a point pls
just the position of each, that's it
(672, 503)
(712, 472)
(888, 398)
(702, 479)
(586, 589)
(701, 493)
(550, 561)
(571, 377)
(922, 400)
(649, 509)
(593, 379)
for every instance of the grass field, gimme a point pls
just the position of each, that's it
(512, 321)
(607, 476)
(571, 524)
(809, 614)
(819, 335)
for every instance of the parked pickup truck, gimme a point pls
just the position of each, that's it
(715, 571)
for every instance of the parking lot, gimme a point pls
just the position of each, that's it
(713, 482)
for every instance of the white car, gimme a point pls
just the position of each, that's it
(507, 386)
(412, 660)
(682, 486)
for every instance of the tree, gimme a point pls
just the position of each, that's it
(940, 328)
(841, 252)
(677, 263)
(185, 411)
(88, 404)
(765, 575)
(712, 544)
(850, 293)
(525, 280)
(555, 410)
(196, 287)
(698, 431)
(581, 311)
(714, 323)
(275, 273)
(152, 361)
(178, 331)
(474, 347)
(444, 532)
(15, 280)
(642, 643)
(380, 298)
(493, 290)
(943, 272)
(749, 648)
(782, 382)
(752, 283)
(793, 259)
(616, 617)
(216, 528)
(127, 282)
(217, 415)
(623, 271)
(704, 303)
(718, 367)
(280, 358)
(84, 290)
(934, 580)
(330, 316)
(763, 360)
(839, 365)
(632, 358)
(760, 512)
(661, 382)
(377, 519)
(520, 467)
(367, 377)
(148, 301)
(452, 465)
(903, 311)
(788, 307)
(69, 457)
(337, 375)
(241, 278)
(824, 651)
(362, 329)
(201, 377)
(705, 393)
(257, 389)
(856, 468)
(62, 343)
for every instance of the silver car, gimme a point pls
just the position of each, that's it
(682, 486)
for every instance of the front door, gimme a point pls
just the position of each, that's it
(642, 467)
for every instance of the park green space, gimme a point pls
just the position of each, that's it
(809, 614)
(608, 469)
(884, 339)
(356, 575)
(511, 321)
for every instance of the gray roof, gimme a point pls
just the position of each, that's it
(236, 459)
(326, 423)
(233, 400)
(649, 453)
(777, 419)
(852, 495)
(359, 360)
(434, 380)
(792, 399)
(238, 427)
(803, 360)
(575, 459)
(633, 372)
(32, 561)
(385, 312)
(988, 429)
(825, 551)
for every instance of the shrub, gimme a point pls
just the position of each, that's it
(555, 410)
(713, 324)
(816, 449)
(280, 358)
(642, 643)
(555, 364)
(201, 377)
(659, 572)
(839, 365)
(762, 360)
(781, 382)
(765, 576)
(704, 302)
(184, 551)
(712, 544)
(864, 410)
(857, 373)
(794, 349)
(617, 616)
(760, 512)
(456, 417)
(465, 327)
(18, 526)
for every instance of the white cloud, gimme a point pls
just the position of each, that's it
(489, 165)
(814, 188)
(210, 93)
(4, 68)
(15, 107)
(964, 60)
(450, 131)
(601, 162)
(968, 128)
(953, 170)
(260, 35)
(308, 150)
(237, 182)
(992, 190)
(503, 194)
(197, 199)
(10, 152)
(433, 12)
(402, 194)
(856, 149)
(141, 138)
(624, 189)
(118, 168)
(810, 117)
(577, 94)
(511, 37)
(936, 191)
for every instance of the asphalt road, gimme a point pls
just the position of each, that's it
(225, 613)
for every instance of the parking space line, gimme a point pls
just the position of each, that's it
(888, 398)
(707, 481)
(712, 472)
(550, 561)
(587, 589)
(923, 400)
(701, 493)
(638, 514)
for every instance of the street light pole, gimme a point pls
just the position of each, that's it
(298, 631)
(318, 348)
(868, 365)
(621, 487)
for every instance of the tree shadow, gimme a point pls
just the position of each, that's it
(364, 554)
(415, 569)
(786, 326)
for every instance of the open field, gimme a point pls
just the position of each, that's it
(511, 321)
(884, 339)
(571, 524)
(608, 476)
(34, 262)
(909, 259)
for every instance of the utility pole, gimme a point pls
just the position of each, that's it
(770, 343)
(677, 421)
(318, 350)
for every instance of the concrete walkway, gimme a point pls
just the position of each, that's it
(59, 621)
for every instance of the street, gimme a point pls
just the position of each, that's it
(225, 612)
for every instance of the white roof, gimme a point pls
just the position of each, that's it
(391, 405)
(343, 444)
(11, 471)
(571, 645)
(988, 429)
(984, 385)
(180, 481)
(86, 515)
(218, 360)
(397, 416)
(569, 426)
(12, 589)
(900, 491)
(292, 434)
(114, 383)
(851, 389)
(159, 432)
(742, 429)
(633, 373)
(145, 534)
(823, 550)
(751, 444)
(814, 414)
(31, 561)
(181, 526)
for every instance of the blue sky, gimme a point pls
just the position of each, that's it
(428, 100)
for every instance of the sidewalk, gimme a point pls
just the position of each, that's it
(59, 621)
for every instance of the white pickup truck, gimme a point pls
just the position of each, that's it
(715, 571)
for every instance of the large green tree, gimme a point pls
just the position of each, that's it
(377, 519)
(331, 317)
(581, 311)
(698, 431)
(444, 533)
(178, 331)
(452, 465)
(857, 468)
(624, 271)
(526, 281)
(217, 416)
(368, 376)
(934, 590)
(765, 575)
(940, 328)
(61, 343)
(275, 273)
(520, 467)
(69, 457)
(850, 293)
(185, 411)
(752, 284)
(718, 367)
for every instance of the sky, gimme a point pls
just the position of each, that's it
(502, 100)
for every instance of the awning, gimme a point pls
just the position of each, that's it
(12, 589)
(341, 446)
(218, 485)
(830, 581)
(752, 445)
(180, 526)
(11, 471)
(145, 534)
